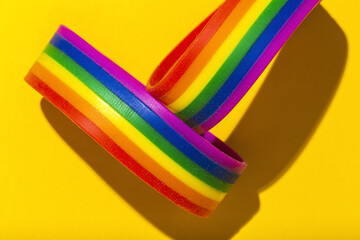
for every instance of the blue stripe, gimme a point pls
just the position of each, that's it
(245, 65)
(143, 110)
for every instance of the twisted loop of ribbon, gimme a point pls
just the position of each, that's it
(201, 80)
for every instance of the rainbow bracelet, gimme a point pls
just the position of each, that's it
(200, 81)
(118, 112)
(225, 69)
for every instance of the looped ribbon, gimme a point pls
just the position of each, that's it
(160, 132)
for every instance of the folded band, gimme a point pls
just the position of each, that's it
(200, 81)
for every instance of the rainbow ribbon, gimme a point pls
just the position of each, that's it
(194, 171)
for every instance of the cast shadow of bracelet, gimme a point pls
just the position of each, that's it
(274, 130)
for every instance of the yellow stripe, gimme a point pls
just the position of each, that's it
(214, 64)
(129, 130)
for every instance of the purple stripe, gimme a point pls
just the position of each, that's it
(266, 57)
(138, 89)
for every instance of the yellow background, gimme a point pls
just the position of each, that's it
(298, 129)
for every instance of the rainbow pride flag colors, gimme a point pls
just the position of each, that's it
(154, 130)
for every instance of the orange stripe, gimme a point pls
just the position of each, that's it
(121, 140)
(210, 49)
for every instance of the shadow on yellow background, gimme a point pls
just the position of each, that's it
(270, 136)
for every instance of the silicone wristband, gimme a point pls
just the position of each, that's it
(244, 66)
(136, 87)
(163, 79)
(272, 49)
(56, 68)
(193, 171)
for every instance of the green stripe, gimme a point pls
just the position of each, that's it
(233, 60)
(131, 116)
